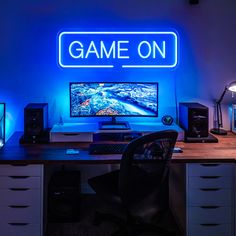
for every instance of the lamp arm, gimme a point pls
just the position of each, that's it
(219, 116)
(218, 109)
(222, 96)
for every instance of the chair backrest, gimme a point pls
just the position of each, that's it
(149, 150)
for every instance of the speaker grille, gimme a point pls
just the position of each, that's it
(193, 118)
(35, 119)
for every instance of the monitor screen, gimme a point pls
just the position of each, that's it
(113, 99)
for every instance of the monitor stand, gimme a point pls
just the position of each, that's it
(113, 125)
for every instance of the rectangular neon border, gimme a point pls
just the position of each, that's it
(123, 66)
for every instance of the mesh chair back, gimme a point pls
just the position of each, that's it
(145, 163)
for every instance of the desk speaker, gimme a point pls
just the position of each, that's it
(35, 119)
(193, 118)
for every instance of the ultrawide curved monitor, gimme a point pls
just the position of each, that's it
(113, 99)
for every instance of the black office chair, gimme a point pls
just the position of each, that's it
(140, 186)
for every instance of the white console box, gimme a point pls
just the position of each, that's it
(83, 132)
(73, 132)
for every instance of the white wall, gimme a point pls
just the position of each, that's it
(29, 72)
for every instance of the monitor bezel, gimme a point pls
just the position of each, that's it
(78, 116)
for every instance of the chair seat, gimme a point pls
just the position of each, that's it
(106, 185)
(140, 203)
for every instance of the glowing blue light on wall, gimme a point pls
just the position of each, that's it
(114, 49)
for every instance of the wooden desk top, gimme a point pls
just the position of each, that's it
(15, 153)
(224, 150)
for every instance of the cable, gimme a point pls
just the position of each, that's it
(176, 99)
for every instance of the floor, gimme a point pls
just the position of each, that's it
(86, 227)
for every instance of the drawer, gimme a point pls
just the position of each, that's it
(198, 197)
(210, 169)
(71, 137)
(26, 197)
(20, 182)
(20, 229)
(210, 230)
(18, 170)
(21, 214)
(210, 215)
(210, 182)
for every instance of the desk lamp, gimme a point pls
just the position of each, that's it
(230, 87)
(2, 123)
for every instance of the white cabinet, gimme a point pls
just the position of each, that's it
(21, 200)
(209, 199)
(202, 198)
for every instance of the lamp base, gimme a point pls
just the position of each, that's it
(218, 131)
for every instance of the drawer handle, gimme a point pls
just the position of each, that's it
(209, 225)
(19, 189)
(209, 207)
(210, 189)
(210, 177)
(18, 224)
(19, 177)
(19, 164)
(71, 134)
(16, 206)
(210, 165)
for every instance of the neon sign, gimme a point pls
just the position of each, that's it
(118, 49)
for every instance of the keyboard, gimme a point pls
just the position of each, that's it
(107, 148)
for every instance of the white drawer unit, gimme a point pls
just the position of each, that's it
(21, 200)
(217, 181)
(19, 196)
(210, 230)
(209, 199)
(20, 229)
(210, 215)
(20, 170)
(210, 196)
(32, 182)
(21, 213)
(210, 169)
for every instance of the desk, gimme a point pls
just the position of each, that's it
(206, 166)
(15, 153)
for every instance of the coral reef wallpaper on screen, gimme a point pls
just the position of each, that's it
(113, 99)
